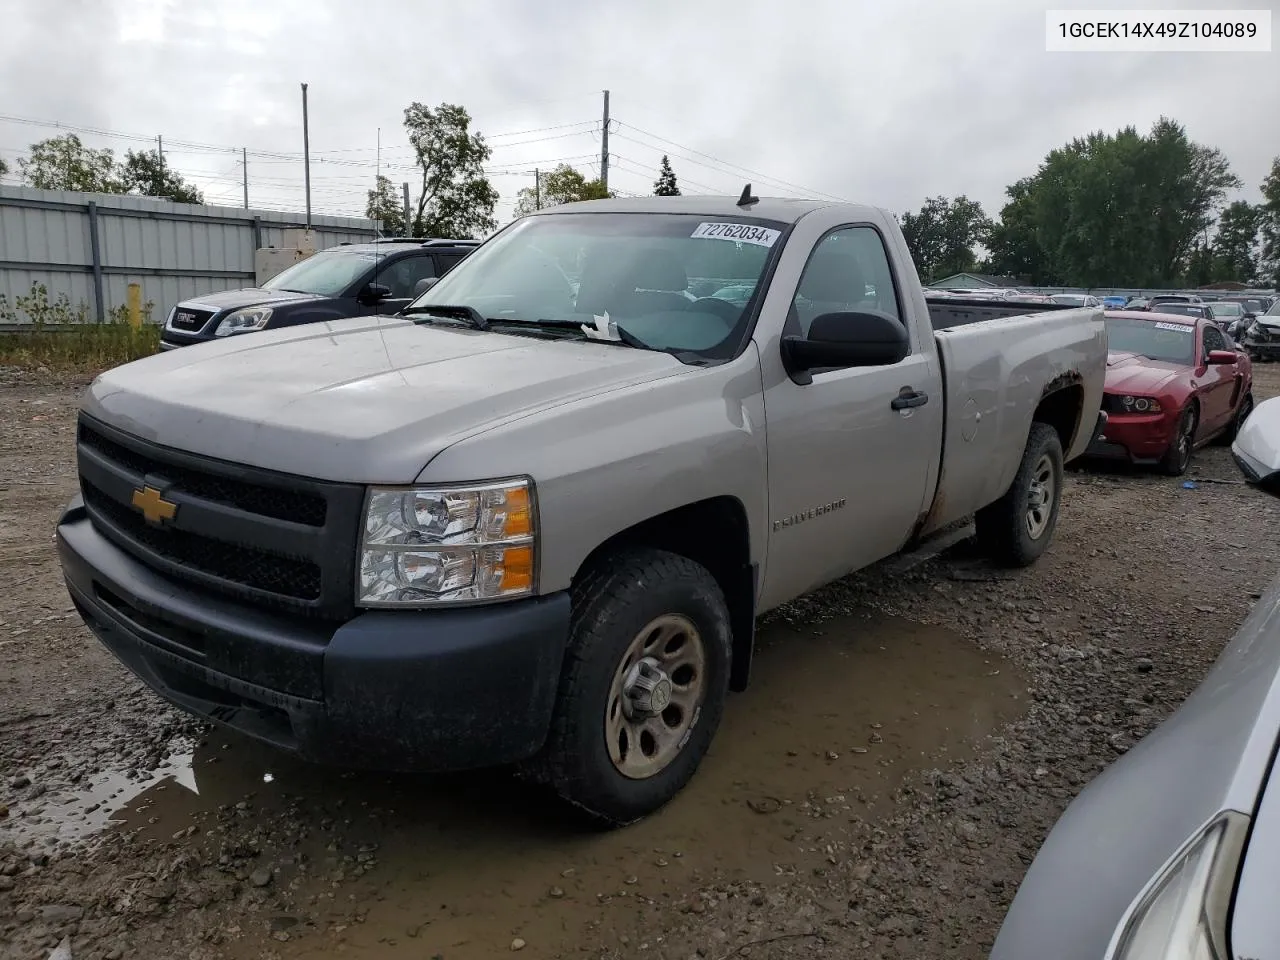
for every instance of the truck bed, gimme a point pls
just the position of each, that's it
(998, 362)
(949, 312)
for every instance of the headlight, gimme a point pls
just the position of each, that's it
(435, 545)
(243, 321)
(1183, 915)
(1141, 405)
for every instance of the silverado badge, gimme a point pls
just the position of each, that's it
(155, 508)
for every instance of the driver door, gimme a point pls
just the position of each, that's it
(1217, 381)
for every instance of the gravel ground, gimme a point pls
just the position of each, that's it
(910, 739)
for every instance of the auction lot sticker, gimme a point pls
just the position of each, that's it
(738, 232)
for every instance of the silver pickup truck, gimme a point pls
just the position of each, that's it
(532, 519)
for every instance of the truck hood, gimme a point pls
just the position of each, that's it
(1130, 373)
(366, 400)
(248, 297)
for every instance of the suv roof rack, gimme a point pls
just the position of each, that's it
(444, 242)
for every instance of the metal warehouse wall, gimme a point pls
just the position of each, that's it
(91, 246)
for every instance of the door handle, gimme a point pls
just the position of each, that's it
(908, 398)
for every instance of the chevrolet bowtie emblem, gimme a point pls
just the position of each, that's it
(155, 508)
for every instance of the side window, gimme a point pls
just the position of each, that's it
(447, 261)
(848, 271)
(1214, 340)
(402, 275)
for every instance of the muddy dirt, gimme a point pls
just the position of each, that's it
(908, 740)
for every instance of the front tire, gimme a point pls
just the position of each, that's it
(643, 685)
(1178, 457)
(1017, 528)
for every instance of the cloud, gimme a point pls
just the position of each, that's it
(882, 103)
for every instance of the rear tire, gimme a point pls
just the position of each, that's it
(1178, 457)
(1242, 414)
(1016, 529)
(618, 748)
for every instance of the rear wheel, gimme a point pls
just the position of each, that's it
(1178, 457)
(1017, 528)
(1242, 414)
(643, 686)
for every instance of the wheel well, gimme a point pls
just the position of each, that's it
(1061, 410)
(714, 533)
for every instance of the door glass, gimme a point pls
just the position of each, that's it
(401, 275)
(1214, 340)
(847, 272)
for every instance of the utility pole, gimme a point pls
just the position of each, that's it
(537, 189)
(604, 145)
(377, 181)
(160, 148)
(407, 231)
(244, 164)
(306, 153)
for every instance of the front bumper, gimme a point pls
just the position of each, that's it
(1135, 437)
(1266, 349)
(390, 690)
(171, 339)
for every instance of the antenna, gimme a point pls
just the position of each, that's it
(747, 199)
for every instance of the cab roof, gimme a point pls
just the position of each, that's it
(782, 209)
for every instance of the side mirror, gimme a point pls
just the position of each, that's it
(374, 293)
(423, 285)
(847, 340)
(1222, 356)
(1256, 449)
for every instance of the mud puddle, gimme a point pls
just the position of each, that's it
(460, 866)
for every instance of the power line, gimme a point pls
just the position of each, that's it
(723, 163)
(640, 171)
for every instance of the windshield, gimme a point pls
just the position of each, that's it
(1274, 311)
(1226, 309)
(1170, 342)
(1071, 299)
(672, 282)
(325, 274)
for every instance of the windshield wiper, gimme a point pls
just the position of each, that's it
(463, 314)
(630, 339)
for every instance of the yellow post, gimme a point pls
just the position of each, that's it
(135, 305)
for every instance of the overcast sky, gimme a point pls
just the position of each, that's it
(884, 103)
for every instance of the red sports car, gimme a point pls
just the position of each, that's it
(1173, 384)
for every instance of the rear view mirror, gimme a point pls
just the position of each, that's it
(1221, 356)
(846, 340)
(1256, 449)
(374, 293)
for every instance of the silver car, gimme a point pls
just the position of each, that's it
(1173, 852)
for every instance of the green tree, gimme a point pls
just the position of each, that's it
(564, 184)
(456, 199)
(942, 236)
(666, 185)
(64, 163)
(1013, 244)
(384, 207)
(1112, 209)
(148, 174)
(1235, 246)
(1268, 274)
(4, 168)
